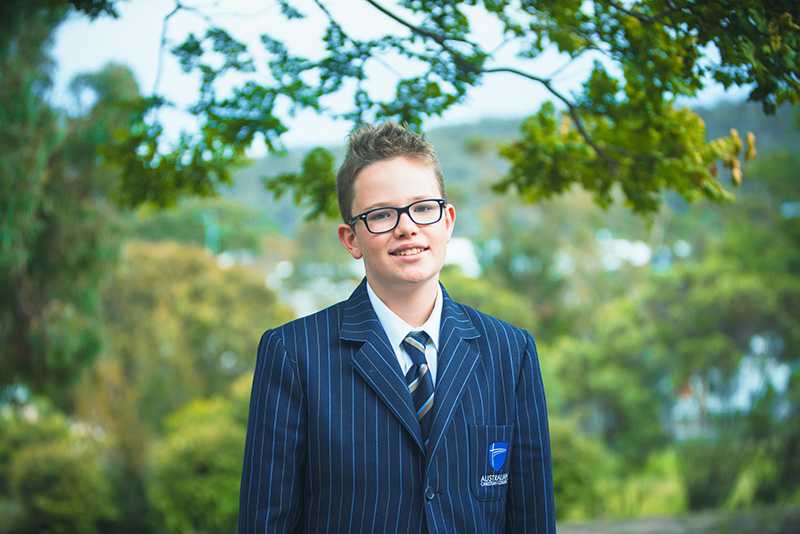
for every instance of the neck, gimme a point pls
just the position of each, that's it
(413, 303)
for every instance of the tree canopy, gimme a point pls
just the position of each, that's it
(624, 128)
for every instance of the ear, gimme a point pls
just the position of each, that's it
(349, 240)
(450, 219)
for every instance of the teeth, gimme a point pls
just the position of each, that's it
(409, 252)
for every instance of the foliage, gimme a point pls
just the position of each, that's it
(63, 488)
(622, 128)
(317, 254)
(709, 313)
(173, 325)
(218, 224)
(657, 490)
(107, 397)
(181, 326)
(616, 382)
(30, 132)
(771, 473)
(178, 327)
(590, 482)
(316, 182)
(764, 237)
(24, 426)
(579, 485)
(651, 154)
(196, 468)
(92, 8)
(760, 471)
(55, 470)
(709, 468)
(736, 304)
(58, 234)
(527, 263)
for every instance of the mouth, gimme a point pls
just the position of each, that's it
(415, 251)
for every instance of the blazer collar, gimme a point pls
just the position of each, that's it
(359, 319)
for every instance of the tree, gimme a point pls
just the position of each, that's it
(624, 128)
(196, 469)
(614, 380)
(179, 326)
(579, 485)
(58, 231)
(744, 299)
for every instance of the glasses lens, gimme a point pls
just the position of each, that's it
(426, 212)
(381, 220)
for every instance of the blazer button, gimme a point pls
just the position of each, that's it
(429, 493)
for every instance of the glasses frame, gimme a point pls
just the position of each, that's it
(400, 211)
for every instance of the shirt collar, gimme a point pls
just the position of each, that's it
(397, 329)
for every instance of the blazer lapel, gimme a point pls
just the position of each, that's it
(376, 360)
(457, 359)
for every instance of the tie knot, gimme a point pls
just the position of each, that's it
(415, 346)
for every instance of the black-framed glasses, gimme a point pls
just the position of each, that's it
(382, 220)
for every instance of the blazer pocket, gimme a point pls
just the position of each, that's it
(489, 453)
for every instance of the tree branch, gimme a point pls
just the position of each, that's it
(458, 58)
(178, 7)
(162, 44)
(327, 12)
(438, 38)
(573, 111)
(635, 14)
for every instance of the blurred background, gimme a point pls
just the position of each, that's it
(133, 297)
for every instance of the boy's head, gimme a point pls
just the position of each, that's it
(370, 144)
(388, 167)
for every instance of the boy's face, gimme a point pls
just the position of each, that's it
(398, 182)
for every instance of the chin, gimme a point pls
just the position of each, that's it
(420, 276)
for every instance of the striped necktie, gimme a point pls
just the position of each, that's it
(419, 381)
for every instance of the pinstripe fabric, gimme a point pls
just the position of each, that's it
(333, 444)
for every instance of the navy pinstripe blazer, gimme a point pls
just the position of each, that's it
(333, 444)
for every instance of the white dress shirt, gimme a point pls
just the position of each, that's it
(397, 329)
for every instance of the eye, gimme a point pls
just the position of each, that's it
(380, 215)
(424, 207)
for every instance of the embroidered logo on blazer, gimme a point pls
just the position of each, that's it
(497, 454)
(498, 451)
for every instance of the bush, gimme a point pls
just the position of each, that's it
(581, 468)
(657, 490)
(22, 426)
(709, 468)
(62, 486)
(196, 469)
(590, 482)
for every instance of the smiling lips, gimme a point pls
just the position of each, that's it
(409, 251)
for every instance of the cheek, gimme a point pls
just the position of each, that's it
(373, 248)
(440, 239)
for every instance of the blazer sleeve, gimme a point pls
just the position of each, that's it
(270, 496)
(530, 503)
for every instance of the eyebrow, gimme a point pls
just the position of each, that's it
(388, 204)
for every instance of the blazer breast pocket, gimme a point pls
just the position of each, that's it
(489, 453)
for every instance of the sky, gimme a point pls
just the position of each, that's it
(134, 39)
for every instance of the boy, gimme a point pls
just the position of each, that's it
(397, 410)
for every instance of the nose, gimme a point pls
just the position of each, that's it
(405, 225)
